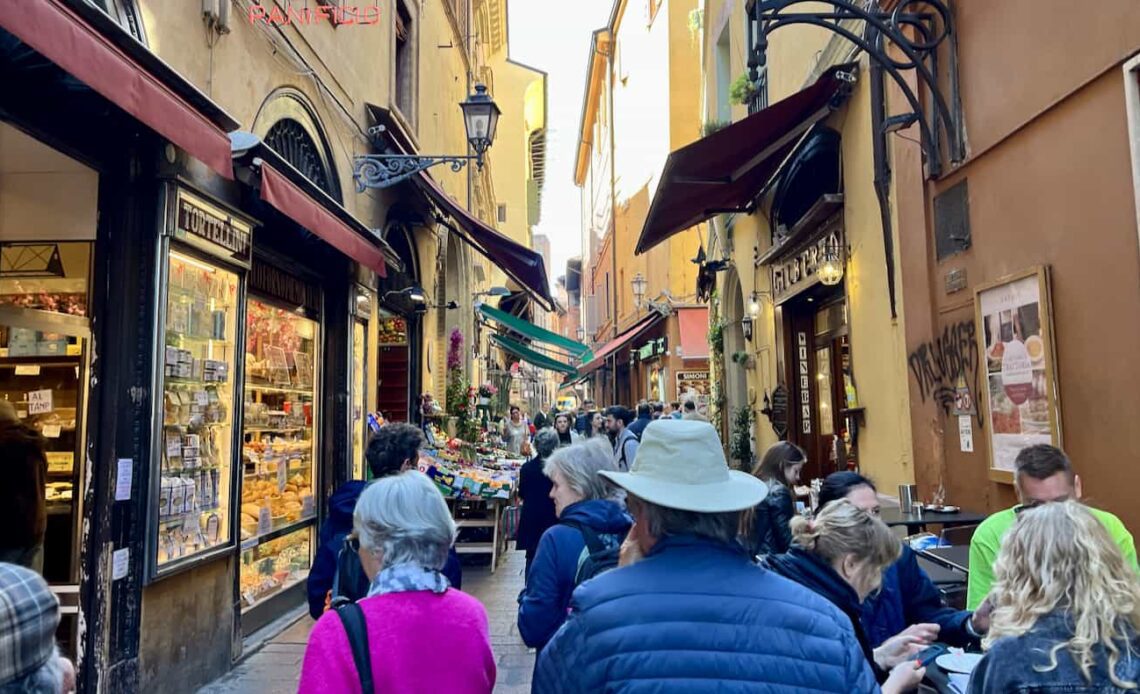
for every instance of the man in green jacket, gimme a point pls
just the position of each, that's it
(1044, 474)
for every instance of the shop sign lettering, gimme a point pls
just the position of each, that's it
(267, 279)
(323, 12)
(651, 349)
(200, 221)
(804, 373)
(797, 272)
(945, 369)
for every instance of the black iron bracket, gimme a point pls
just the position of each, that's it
(905, 40)
(384, 170)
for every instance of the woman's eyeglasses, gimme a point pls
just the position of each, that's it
(353, 542)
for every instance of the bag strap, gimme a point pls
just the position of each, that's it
(357, 630)
(593, 543)
(336, 595)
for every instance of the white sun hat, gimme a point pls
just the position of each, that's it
(680, 465)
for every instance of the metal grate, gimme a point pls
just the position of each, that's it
(952, 220)
(288, 138)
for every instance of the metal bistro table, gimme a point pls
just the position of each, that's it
(919, 521)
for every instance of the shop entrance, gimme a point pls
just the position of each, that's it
(819, 363)
(48, 213)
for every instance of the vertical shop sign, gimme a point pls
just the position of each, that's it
(805, 382)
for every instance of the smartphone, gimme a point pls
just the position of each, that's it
(927, 655)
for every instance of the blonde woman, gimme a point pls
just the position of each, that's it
(1066, 608)
(841, 555)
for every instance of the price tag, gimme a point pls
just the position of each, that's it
(264, 521)
(28, 370)
(282, 476)
(51, 431)
(39, 402)
(307, 505)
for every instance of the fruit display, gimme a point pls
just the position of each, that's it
(273, 566)
(393, 330)
(489, 477)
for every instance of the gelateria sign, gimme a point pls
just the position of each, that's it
(794, 272)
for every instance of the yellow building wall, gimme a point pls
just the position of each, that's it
(877, 343)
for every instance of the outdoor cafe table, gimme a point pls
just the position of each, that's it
(919, 521)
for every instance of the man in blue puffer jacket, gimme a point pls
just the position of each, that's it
(695, 614)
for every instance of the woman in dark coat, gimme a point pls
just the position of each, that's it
(534, 492)
(766, 528)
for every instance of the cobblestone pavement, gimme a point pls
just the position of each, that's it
(274, 668)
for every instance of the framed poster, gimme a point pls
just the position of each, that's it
(1020, 385)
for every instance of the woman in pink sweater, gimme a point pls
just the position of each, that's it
(422, 635)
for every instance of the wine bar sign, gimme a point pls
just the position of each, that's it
(803, 371)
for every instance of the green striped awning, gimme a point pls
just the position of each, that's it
(532, 357)
(529, 330)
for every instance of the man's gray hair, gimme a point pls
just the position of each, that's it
(662, 522)
(46, 678)
(546, 442)
(405, 519)
(580, 465)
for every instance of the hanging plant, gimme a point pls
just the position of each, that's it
(740, 449)
(716, 339)
(742, 90)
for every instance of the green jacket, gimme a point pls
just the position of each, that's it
(986, 544)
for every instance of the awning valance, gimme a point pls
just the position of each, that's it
(727, 170)
(520, 263)
(299, 199)
(623, 339)
(531, 331)
(694, 325)
(536, 359)
(115, 65)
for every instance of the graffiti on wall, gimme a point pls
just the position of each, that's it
(946, 369)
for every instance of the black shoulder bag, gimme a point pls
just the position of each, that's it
(352, 617)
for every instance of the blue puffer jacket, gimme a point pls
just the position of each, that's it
(542, 606)
(697, 616)
(909, 597)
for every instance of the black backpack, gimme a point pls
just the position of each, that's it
(349, 582)
(596, 558)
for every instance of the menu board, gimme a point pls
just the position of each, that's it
(1020, 386)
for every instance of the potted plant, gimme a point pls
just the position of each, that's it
(742, 90)
(740, 446)
(486, 392)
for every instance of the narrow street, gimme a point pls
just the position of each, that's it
(274, 668)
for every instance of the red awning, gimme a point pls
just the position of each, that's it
(623, 339)
(694, 324)
(63, 37)
(725, 171)
(290, 200)
(520, 263)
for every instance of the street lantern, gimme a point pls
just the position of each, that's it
(581, 332)
(830, 269)
(754, 304)
(480, 117)
(639, 284)
(746, 326)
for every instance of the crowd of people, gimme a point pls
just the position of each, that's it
(653, 566)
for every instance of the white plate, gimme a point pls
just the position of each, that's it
(959, 662)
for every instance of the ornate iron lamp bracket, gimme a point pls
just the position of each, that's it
(906, 39)
(384, 170)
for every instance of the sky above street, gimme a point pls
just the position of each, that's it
(545, 35)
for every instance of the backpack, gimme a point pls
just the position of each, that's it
(349, 582)
(352, 617)
(596, 558)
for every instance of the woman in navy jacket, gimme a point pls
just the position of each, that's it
(908, 598)
(581, 500)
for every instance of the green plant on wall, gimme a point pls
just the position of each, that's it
(712, 126)
(742, 90)
(740, 448)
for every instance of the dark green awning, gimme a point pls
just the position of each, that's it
(527, 329)
(532, 357)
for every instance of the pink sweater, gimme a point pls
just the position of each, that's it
(420, 642)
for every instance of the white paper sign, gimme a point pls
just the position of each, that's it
(966, 433)
(28, 370)
(39, 402)
(264, 521)
(119, 560)
(123, 477)
(201, 397)
(307, 505)
(51, 431)
(282, 475)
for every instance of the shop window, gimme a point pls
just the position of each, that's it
(723, 76)
(125, 13)
(406, 62)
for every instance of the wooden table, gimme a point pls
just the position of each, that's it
(915, 521)
(492, 518)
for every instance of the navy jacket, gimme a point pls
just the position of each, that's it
(582, 424)
(542, 605)
(815, 574)
(909, 597)
(1011, 665)
(333, 531)
(697, 616)
(771, 523)
(538, 508)
(637, 426)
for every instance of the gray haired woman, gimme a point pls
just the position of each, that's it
(587, 516)
(411, 613)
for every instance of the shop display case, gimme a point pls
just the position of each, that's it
(273, 566)
(278, 449)
(193, 510)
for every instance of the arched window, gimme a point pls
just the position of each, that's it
(288, 138)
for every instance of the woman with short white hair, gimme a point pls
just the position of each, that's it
(590, 522)
(411, 613)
